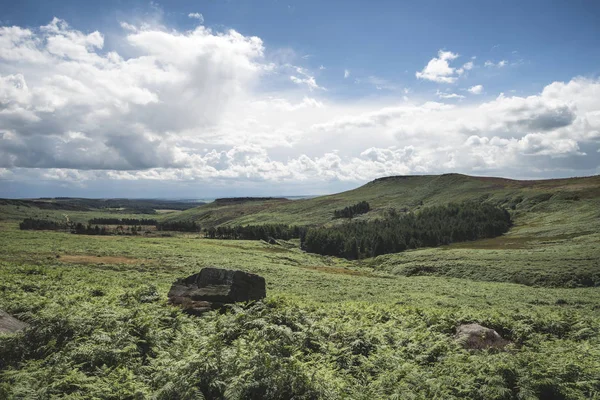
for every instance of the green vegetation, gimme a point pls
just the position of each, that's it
(254, 232)
(122, 206)
(554, 240)
(40, 224)
(122, 221)
(432, 226)
(351, 211)
(409, 193)
(181, 226)
(331, 328)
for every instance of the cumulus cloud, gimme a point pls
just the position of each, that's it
(477, 89)
(205, 105)
(305, 79)
(499, 64)
(197, 16)
(124, 107)
(438, 69)
(444, 95)
(346, 73)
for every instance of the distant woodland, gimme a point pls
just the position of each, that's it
(432, 226)
(349, 212)
(255, 232)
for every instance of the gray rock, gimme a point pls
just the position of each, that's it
(212, 288)
(476, 337)
(9, 324)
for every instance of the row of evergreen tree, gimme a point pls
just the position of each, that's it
(180, 226)
(41, 224)
(254, 232)
(81, 229)
(349, 212)
(433, 226)
(95, 227)
(122, 221)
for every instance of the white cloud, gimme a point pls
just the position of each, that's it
(499, 64)
(210, 106)
(468, 66)
(128, 27)
(305, 79)
(477, 89)
(443, 95)
(197, 16)
(439, 70)
(346, 73)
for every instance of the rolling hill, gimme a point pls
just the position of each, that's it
(376, 328)
(554, 241)
(580, 195)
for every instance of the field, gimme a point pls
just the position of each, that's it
(329, 328)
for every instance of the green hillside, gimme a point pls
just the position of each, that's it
(555, 239)
(379, 328)
(403, 192)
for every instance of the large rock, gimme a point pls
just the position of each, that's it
(476, 337)
(9, 324)
(211, 288)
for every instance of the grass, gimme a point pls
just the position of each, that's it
(19, 213)
(100, 326)
(330, 328)
(409, 192)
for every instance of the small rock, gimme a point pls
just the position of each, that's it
(476, 337)
(212, 288)
(9, 324)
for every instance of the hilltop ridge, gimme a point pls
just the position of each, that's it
(409, 192)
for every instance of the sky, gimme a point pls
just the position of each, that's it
(200, 99)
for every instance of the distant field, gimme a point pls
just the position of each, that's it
(57, 208)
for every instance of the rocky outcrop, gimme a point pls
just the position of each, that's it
(212, 288)
(9, 324)
(477, 337)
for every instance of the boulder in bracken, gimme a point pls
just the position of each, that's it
(212, 288)
(9, 324)
(477, 337)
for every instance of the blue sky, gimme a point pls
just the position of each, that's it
(288, 97)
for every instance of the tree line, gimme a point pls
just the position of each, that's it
(81, 229)
(349, 212)
(41, 224)
(122, 221)
(180, 226)
(254, 232)
(96, 226)
(432, 226)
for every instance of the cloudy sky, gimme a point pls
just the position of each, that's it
(198, 99)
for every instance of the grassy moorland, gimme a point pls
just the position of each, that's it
(329, 328)
(81, 210)
(409, 193)
(555, 240)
